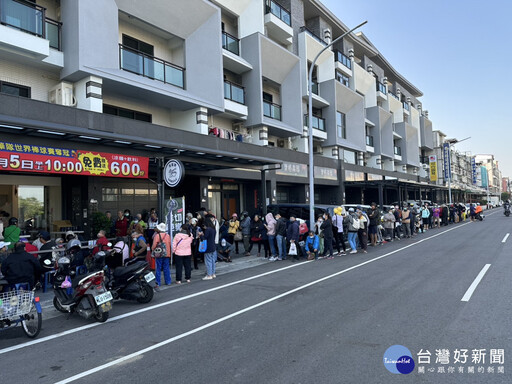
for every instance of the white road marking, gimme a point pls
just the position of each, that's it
(475, 283)
(237, 313)
(156, 306)
(505, 238)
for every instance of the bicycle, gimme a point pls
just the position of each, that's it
(20, 306)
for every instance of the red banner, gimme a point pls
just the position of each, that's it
(41, 159)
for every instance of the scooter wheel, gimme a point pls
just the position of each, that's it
(146, 294)
(58, 306)
(102, 317)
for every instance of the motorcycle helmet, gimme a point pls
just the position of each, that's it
(13, 221)
(73, 244)
(99, 260)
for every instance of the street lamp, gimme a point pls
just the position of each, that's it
(310, 126)
(451, 142)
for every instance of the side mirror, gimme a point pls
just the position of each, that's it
(109, 244)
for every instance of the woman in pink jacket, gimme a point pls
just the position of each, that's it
(182, 247)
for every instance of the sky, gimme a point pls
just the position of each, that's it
(457, 52)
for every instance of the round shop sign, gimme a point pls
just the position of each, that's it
(174, 171)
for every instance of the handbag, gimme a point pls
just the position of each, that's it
(202, 246)
(160, 250)
(238, 236)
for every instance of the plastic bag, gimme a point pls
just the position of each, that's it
(66, 283)
(293, 250)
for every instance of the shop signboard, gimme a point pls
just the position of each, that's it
(473, 170)
(174, 171)
(301, 170)
(175, 214)
(446, 159)
(433, 167)
(41, 159)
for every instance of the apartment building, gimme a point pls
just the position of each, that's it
(494, 176)
(109, 90)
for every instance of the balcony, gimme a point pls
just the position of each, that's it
(231, 43)
(381, 88)
(278, 22)
(312, 34)
(234, 100)
(317, 122)
(151, 67)
(271, 110)
(406, 107)
(397, 151)
(343, 63)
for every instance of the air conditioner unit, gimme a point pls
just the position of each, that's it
(237, 127)
(62, 94)
(280, 143)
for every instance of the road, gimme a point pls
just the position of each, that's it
(329, 321)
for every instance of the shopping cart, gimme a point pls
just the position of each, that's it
(20, 306)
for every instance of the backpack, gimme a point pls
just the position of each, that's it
(303, 228)
(160, 250)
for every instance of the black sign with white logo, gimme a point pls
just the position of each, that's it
(174, 171)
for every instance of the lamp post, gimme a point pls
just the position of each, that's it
(451, 142)
(311, 173)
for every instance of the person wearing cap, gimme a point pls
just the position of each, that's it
(45, 252)
(12, 232)
(20, 266)
(374, 216)
(162, 263)
(351, 220)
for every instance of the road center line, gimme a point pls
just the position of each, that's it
(156, 306)
(475, 283)
(238, 313)
(505, 238)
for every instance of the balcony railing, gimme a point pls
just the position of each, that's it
(278, 11)
(392, 94)
(145, 65)
(234, 92)
(397, 151)
(312, 34)
(369, 140)
(381, 87)
(30, 18)
(271, 110)
(230, 43)
(343, 59)
(317, 122)
(314, 87)
(406, 105)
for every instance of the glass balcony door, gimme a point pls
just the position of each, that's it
(23, 16)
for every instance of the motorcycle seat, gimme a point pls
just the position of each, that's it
(123, 271)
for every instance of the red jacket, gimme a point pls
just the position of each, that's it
(121, 226)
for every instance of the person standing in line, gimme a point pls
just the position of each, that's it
(374, 216)
(292, 236)
(339, 239)
(162, 263)
(193, 228)
(363, 229)
(281, 237)
(425, 215)
(257, 229)
(152, 223)
(216, 224)
(210, 255)
(406, 222)
(121, 224)
(233, 228)
(353, 227)
(245, 226)
(327, 231)
(414, 213)
(111, 230)
(389, 223)
(436, 212)
(398, 223)
(271, 235)
(182, 247)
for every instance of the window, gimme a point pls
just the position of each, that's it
(14, 89)
(340, 125)
(267, 97)
(128, 113)
(342, 78)
(138, 45)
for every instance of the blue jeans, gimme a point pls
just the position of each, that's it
(281, 246)
(209, 261)
(271, 241)
(162, 263)
(352, 236)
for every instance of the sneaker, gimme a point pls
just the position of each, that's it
(273, 258)
(342, 253)
(279, 259)
(208, 278)
(214, 276)
(330, 257)
(353, 251)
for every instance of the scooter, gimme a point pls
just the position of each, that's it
(134, 281)
(84, 294)
(507, 210)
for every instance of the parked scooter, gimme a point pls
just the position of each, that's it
(134, 281)
(84, 294)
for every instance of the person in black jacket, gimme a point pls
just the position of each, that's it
(292, 236)
(374, 216)
(281, 237)
(326, 228)
(21, 266)
(257, 230)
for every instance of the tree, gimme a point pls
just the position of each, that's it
(99, 222)
(30, 207)
(505, 196)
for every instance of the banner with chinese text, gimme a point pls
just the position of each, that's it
(433, 167)
(42, 159)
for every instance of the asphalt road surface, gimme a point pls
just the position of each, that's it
(442, 295)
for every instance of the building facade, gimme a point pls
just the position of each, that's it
(219, 85)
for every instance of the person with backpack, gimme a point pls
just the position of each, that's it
(353, 227)
(161, 251)
(182, 248)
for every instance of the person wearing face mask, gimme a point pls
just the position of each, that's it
(312, 246)
(121, 224)
(328, 233)
(224, 251)
(182, 246)
(137, 220)
(139, 246)
(406, 222)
